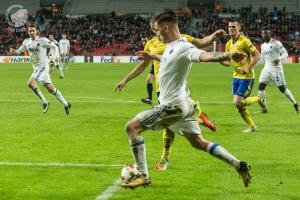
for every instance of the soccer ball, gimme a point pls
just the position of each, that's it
(128, 172)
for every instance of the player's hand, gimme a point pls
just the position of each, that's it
(219, 34)
(245, 70)
(120, 86)
(238, 56)
(12, 50)
(145, 55)
(276, 62)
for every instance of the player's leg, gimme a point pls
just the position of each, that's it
(238, 101)
(138, 149)
(216, 150)
(290, 96)
(168, 138)
(150, 80)
(280, 82)
(239, 89)
(155, 118)
(48, 84)
(67, 61)
(202, 116)
(62, 61)
(51, 66)
(32, 84)
(58, 66)
(262, 94)
(264, 78)
(246, 88)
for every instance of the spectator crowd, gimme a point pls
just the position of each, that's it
(112, 34)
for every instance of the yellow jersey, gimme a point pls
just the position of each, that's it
(156, 46)
(242, 44)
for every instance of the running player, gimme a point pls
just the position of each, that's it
(37, 48)
(243, 74)
(175, 111)
(64, 49)
(54, 57)
(273, 53)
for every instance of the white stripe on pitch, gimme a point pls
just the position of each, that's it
(58, 164)
(109, 192)
(103, 100)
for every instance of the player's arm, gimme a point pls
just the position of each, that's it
(226, 62)
(200, 43)
(220, 56)
(18, 51)
(282, 54)
(255, 57)
(134, 73)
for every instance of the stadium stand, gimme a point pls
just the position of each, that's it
(113, 32)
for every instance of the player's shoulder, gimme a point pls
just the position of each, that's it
(153, 40)
(244, 38)
(43, 39)
(26, 40)
(188, 37)
(277, 42)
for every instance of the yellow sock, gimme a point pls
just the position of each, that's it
(168, 137)
(251, 100)
(246, 116)
(196, 107)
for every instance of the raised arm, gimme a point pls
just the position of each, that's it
(204, 42)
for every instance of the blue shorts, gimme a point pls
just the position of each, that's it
(242, 87)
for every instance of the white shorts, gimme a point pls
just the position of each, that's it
(41, 75)
(172, 117)
(272, 77)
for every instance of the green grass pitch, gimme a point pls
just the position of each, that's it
(94, 134)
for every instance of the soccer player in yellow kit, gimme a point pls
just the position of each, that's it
(243, 74)
(156, 46)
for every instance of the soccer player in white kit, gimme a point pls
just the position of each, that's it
(54, 57)
(175, 111)
(273, 53)
(37, 48)
(64, 48)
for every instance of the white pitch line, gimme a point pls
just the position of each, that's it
(110, 190)
(108, 100)
(58, 164)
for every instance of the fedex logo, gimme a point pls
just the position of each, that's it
(134, 59)
(106, 59)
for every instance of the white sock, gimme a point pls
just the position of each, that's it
(290, 96)
(60, 71)
(221, 153)
(39, 93)
(262, 94)
(60, 97)
(138, 149)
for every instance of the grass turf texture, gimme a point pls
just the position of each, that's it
(94, 133)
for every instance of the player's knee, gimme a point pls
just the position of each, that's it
(130, 129)
(282, 88)
(237, 103)
(262, 86)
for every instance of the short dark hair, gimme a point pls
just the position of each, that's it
(32, 25)
(166, 15)
(265, 28)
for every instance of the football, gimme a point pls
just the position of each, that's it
(128, 172)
